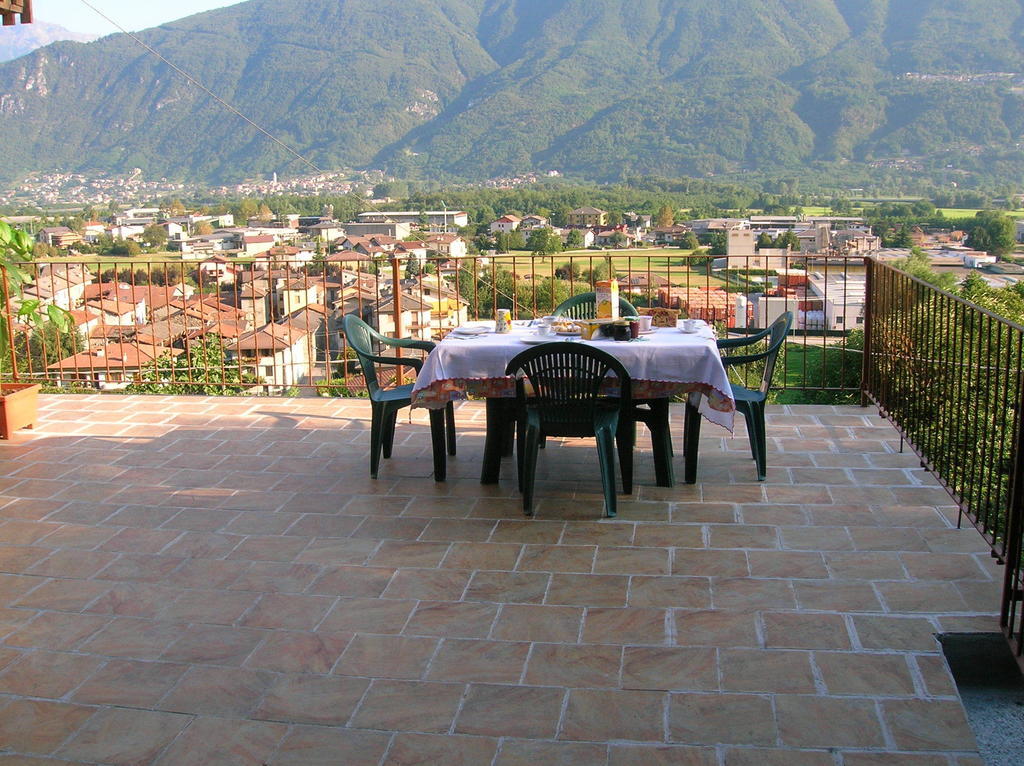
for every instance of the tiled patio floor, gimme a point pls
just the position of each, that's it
(218, 581)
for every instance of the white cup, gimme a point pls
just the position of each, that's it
(645, 323)
(543, 329)
(689, 325)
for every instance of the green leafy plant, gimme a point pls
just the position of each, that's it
(16, 251)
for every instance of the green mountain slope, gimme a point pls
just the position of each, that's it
(482, 88)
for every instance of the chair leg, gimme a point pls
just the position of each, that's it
(756, 418)
(388, 432)
(449, 425)
(529, 468)
(520, 449)
(691, 438)
(606, 454)
(437, 443)
(377, 418)
(625, 440)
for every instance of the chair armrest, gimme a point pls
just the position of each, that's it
(729, 361)
(398, 361)
(422, 345)
(747, 340)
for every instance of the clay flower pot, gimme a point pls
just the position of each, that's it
(18, 407)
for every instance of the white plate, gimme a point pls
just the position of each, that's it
(469, 332)
(534, 340)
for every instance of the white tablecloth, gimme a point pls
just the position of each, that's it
(663, 363)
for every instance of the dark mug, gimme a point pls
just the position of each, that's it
(620, 332)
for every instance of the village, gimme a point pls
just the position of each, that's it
(274, 292)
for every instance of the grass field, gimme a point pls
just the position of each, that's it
(671, 263)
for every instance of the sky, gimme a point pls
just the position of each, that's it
(133, 15)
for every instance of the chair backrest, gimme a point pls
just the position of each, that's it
(566, 383)
(776, 336)
(360, 337)
(584, 306)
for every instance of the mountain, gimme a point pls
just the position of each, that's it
(482, 88)
(19, 39)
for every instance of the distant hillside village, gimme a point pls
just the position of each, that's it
(273, 292)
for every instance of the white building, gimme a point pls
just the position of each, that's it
(842, 298)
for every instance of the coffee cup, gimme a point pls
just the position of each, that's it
(645, 323)
(689, 325)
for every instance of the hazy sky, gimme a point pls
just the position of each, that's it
(131, 14)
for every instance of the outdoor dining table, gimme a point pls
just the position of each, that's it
(663, 363)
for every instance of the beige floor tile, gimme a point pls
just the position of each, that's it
(414, 749)
(614, 715)
(526, 752)
(319, 746)
(574, 666)
(124, 736)
(739, 719)
(481, 661)
(409, 706)
(321, 700)
(510, 711)
(224, 741)
(792, 630)
(374, 656)
(815, 721)
(661, 755)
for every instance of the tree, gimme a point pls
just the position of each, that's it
(614, 218)
(203, 228)
(764, 239)
(689, 241)
(127, 247)
(155, 235)
(917, 264)
(787, 239)
(574, 240)
(544, 241)
(665, 217)
(994, 232)
(516, 241)
(618, 239)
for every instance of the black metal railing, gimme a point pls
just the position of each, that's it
(272, 325)
(948, 375)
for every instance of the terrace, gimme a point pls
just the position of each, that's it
(210, 580)
(217, 580)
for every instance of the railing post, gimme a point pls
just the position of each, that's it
(8, 319)
(396, 303)
(869, 298)
(1014, 539)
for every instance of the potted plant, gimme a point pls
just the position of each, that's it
(18, 399)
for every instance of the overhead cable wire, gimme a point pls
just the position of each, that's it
(206, 90)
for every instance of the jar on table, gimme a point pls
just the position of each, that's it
(503, 321)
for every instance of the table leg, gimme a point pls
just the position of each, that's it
(661, 443)
(499, 417)
(691, 437)
(437, 441)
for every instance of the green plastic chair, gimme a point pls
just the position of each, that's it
(386, 402)
(749, 401)
(584, 306)
(558, 393)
